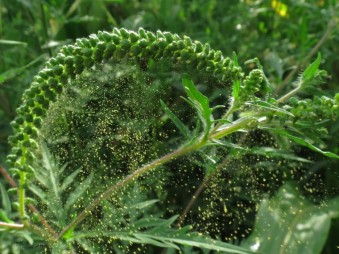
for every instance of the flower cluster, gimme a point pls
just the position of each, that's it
(316, 110)
(253, 84)
(86, 53)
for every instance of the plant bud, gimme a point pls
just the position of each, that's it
(168, 36)
(143, 43)
(37, 122)
(142, 33)
(98, 55)
(93, 40)
(88, 62)
(151, 37)
(136, 50)
(124, 33)
(109, 51)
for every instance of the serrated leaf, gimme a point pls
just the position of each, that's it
(177, 122)
(147, 222)
(69, 179)
(79, 190)
(42, 178)
(269, 106)
(227, 144)
(209, 244)
(145, 204)
(148, 239)
(311, 70)
(54, 181)
(166, 237)
(38, 191)
(165, 224)
(193, 93)
(272, 152)
(199, 102)
(305, 143)
(236, 89)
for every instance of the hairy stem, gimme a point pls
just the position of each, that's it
(239, 124)
(233, 107)
(290, 94)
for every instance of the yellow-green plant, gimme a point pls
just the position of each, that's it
(250, 106)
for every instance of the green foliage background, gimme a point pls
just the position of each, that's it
(284, 35)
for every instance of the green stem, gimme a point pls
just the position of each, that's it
(11, 225)
(233, 107)
(21, 194)
(240, 124)
(290, 94)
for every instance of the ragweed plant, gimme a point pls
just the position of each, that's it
(97, 124)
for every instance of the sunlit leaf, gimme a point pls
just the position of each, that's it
(199, 102)
(303, 142)
(289, 223)
(273, 152)
(312, 69)
(236, 88)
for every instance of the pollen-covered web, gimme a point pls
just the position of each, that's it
(109, 121)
